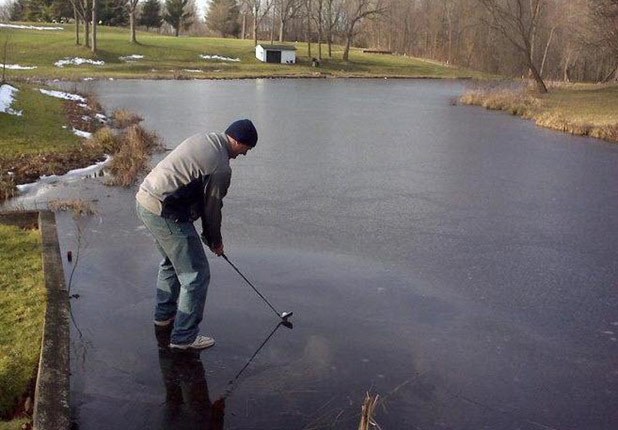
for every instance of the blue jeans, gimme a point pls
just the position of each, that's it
(183, 277)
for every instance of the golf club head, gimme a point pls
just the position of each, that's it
(286, 315)
(287, 324)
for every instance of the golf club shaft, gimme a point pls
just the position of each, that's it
(251, 285)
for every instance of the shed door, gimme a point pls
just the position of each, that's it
(273, 56)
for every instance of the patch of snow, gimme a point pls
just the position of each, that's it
(88, 79)
(192, 70)
(7, 96)
(86, 118)
(81, 133)
(63, 95)
(16, 67)
(83, 105)
(218, 57)
(77, 61)
(101, 117)
(29, 27)
(72, 174)
(131, 57)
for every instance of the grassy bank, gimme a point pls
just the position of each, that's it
(179, 57)
(583, 109)
(40, 141)
(23, 302)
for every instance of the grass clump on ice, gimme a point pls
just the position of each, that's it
(131, 159)
(23, 302)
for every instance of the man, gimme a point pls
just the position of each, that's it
(188, 184)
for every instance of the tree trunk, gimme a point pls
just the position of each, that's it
(348, 42)
(540, 85)
(281, 27)
(132, 25)
(329, 29)
(551, 35)
(255, 25)
(272, 28)
(76, 17)
(87, 32)
(320, 30)
(612, 76)
(93, 45)
(308, 37)
(244, 26)
(567, 63)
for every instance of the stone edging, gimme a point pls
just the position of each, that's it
(51, 396)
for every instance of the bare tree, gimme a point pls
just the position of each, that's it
(319, 21)
(357, 10)
(288, 9)
(260, 9)
(517, 21)
(603, 33)
(308, 7)
(333, 16)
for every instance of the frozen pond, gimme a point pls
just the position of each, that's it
(461, 263)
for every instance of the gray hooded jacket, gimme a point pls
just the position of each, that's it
(190, 182)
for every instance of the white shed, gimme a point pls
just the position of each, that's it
(276, 54)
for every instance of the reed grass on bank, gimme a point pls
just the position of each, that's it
(586, 110)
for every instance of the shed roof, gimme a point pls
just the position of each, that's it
(278, 47)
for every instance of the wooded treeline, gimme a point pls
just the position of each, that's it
(572, 40)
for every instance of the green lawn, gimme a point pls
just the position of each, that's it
(23, 302)
(169, 57)
(39, 129)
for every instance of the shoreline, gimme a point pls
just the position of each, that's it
(566, 108)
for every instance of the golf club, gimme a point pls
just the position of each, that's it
(283, 315)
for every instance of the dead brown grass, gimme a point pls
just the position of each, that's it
(132, 157)
(123, 118)
(585, 110)
(516, 102)
(8, 187)
(78, 207)
(105, 140)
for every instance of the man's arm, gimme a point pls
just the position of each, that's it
(215, 190)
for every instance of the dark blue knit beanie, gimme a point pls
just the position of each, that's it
(243, 131)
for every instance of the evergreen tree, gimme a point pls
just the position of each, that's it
(18, 9)
(112, 13)
(178, 14)
(222, 17)
(151, 14)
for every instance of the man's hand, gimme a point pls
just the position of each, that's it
(217, 249)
